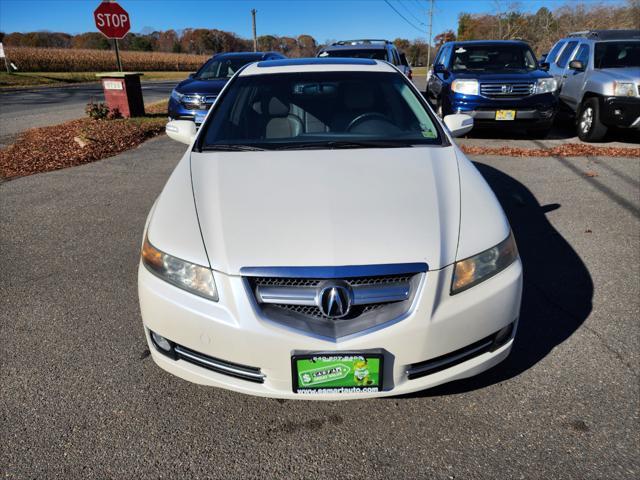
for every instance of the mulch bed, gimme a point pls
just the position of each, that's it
(566, 150)
(78, 142)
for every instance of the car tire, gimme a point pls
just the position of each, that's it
(588, 124)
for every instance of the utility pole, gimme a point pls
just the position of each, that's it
(255, 38)
(429, 39)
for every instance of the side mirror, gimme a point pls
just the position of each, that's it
(439, 68)
(543, 57)
(576, 65)
(544, 66)
(192, 75)
(183, 131)
(403, 60)
(459, 124)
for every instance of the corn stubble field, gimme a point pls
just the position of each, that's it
(29, 59)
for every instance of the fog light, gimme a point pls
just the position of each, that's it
(503, 336)
(161, 342)
(617, 112)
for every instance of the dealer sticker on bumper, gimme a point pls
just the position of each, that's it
(505, 114)
(337, 373)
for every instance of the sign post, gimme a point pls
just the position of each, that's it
(113, 22)
(3, 56)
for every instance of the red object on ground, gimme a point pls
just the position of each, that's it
(122, 90)
(112, 20)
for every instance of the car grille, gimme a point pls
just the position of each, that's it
(198, 102)
(369, 300)
(507, 90)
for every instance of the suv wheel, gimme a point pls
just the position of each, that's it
(590, 128)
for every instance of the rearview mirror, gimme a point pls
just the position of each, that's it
(576, 65)
(439, 68)
(459, 124)
(183, 131)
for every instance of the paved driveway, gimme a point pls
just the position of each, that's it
(39, 107)
(80, 397)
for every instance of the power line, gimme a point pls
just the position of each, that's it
(411, 13)
(403, 17)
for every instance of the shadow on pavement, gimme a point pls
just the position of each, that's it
(558, 288)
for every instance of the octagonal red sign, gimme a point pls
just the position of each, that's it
(112, 20)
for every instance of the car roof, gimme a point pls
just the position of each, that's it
(355, 46)
(489, 42)
(599, 35)
(252, 55)
(328, 64)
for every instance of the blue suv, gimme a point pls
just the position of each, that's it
(192, 98)
(497, 82)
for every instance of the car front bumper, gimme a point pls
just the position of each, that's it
(533, 111)
(438, 326)
(621, 112)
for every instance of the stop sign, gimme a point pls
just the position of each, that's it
(112, 20)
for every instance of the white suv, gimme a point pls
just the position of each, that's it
(323, 236)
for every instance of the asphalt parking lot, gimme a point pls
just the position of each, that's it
(80, 397)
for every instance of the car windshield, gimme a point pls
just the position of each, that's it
(492, 57)
(223, 68)
(319, 110)
(372, 53)
(617, 55)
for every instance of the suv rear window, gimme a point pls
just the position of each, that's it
(374, 54)
(617, 54)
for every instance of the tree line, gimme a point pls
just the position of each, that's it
(541, 29)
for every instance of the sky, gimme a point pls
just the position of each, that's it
(328, 19)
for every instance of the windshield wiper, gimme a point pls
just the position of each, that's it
(232, 148)
(333, 144)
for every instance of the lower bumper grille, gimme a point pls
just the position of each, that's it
(251, 374)
(487, 344)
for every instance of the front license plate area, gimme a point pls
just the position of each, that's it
(337, 373)
(505, 114)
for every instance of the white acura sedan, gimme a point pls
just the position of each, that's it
(323, 237)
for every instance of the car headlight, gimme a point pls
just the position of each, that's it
(188, 276)
(177, 96)
(623, 89)
(480, 267)
(466, 87)
(546, 85)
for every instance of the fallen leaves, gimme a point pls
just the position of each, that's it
(75, 143)
(566, 150)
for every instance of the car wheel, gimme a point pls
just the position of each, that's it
(590, 128)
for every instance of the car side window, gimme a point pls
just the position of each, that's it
(583, 54)
(446, 56)
(554, 51)
(396, 58)
(566, 53)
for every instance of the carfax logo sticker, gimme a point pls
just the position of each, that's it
(325, 374)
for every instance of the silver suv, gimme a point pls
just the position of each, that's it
(598, 73)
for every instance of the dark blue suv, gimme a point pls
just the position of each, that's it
(497, 82)
(191, 98)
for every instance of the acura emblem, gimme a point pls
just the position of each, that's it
(334, 301)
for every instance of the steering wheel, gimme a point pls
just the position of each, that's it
(366, 117)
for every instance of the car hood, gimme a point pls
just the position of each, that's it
(192, 85)
(328, 207)
(490, 76)
(631, 74)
